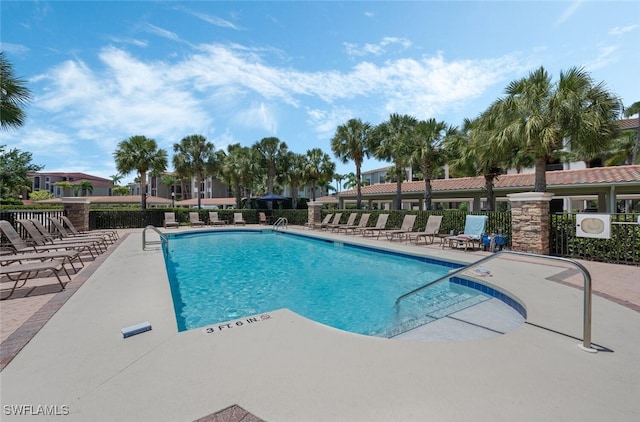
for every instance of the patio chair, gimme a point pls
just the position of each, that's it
(378, 228)
(323, 223)
(350, 222)
(64, 234)
(474, 227)
(15, 272)
(40, 236)
(364, 220)
(262, 218)
(21, 247)
(430, 231)
(238, 219)
(170, 220)
(335, 222)
(67, 256)
(113, 234)
(214, 220)
(194, 220)
(407, 227)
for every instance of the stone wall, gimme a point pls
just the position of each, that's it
(77, 210)
(314, 213)
(530, 222)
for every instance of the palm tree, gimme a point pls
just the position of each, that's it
(86, 188)
(141, 154)
(239, 168)
(425, 149)
(351, 142)
(272, 153)
(630, 111)
(14, 96)
(194, 157)
(296, 164)
(538, 116)
(351, 181)
(318, 169)
(390, 142)
(473, 152)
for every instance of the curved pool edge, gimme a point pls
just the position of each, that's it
(465, 280)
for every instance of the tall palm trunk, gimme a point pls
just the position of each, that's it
(541, 175)
(143, 189)
(488, 183)
(358, 187)
(398, 188)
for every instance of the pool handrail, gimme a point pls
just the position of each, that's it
(281, 222)
(163, 238)
(586, 323)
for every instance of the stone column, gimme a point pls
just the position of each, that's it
(77, 210)
(314, 213)
(530, 222)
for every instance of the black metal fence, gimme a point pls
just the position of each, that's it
(13, 216)
(623, 247)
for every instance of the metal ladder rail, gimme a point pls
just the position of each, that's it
(281, 222)
(163, 238)
(586, 323)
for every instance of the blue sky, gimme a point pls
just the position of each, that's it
(241, 71)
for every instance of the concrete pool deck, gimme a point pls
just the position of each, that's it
(283, 367)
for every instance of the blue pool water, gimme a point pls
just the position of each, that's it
(222, 276)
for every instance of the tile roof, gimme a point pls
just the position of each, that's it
(633, 123)
(206, 201)
(592, 176)
(127, 199)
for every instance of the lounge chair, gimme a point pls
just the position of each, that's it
(334, 223)
(473, 229)
(46, 255)
(323, 223)
(262, 218)
(378, 228)
(170, 220)
(364, 220)
(238, 219)
(40, 237)
(64, 234)
(350, 222)
(430, 231)
(406, 228)
(194, 220)
(113, 234)
(15, 272)
(20, 246)
(214, 220)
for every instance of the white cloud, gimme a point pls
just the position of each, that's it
(18, 49)
(259, 116)
(161, 32)
(214, 20)
(224, 89)
(354, 49)
(132, 41)
(606, 56)
(569, 11)
(620, 30)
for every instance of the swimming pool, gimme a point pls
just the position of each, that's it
(225, 275)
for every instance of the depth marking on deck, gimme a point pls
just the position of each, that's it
(234, 324)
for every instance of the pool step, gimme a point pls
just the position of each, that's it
(443, 305)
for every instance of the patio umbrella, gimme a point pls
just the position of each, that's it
(271, 197)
